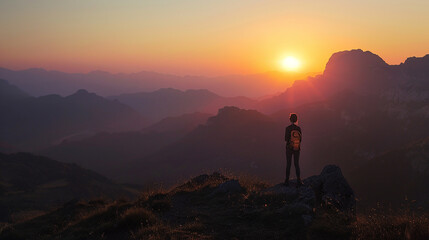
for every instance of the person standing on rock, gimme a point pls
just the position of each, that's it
(293, 138)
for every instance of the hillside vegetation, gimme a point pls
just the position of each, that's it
(219, 207)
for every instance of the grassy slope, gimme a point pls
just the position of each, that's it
(189, 211)
(192, 211)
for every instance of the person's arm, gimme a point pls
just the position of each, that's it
(286, 134)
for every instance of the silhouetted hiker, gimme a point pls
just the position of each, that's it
(293, 137)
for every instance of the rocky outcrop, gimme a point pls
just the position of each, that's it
(220, 197)
(353, 61)
(332, 189)
(328, 190)
(209, 206)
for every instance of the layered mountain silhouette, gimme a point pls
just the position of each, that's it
(10, 93)
(110, 153)
(359, 108)
(237, 139)
(347, 129)
(39, 82)
(348, 126)
(172, 102)
(30, 183)
(31, 123)
(361, 72)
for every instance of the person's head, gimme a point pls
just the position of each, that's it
(293, 118)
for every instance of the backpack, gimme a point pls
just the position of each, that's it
(295, 140)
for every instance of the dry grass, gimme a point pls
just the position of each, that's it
(252, 183)
(391, 225)
(136, 217)
(4, 225)
(23, 216)
(161, 231)
(249, 215)
(330, 224)
(152, 190)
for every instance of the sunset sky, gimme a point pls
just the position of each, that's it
(205, 37)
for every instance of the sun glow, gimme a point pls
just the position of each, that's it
(291, 64)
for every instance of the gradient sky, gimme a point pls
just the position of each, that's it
(205, 37)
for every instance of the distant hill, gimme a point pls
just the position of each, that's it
(10, 93)
(172, 102)
(31, 123)
(183, 123)
(416, 67)
(29, 183)
(359, 108)
(236, 139)
(347, 129)
(110, 153)
(347, 114)
(39, 82)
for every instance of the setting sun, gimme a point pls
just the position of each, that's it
(291, 64)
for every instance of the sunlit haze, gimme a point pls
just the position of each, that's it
(205, 37)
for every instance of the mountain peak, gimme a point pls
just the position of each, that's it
(232, 114)
(99, 72)
(417, 61)
(206, 91)
(168, 91)
(417, 66)
(355, 60)
(82, 91)
(83, 94)
(10, 92)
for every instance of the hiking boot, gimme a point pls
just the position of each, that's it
(286, 183)
(298, 182)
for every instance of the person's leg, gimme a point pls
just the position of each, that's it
(296, 163)
(288, 163)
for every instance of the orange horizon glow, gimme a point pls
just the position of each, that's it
(212, 39)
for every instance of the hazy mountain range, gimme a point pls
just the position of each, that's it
(34, 122)
(172, 102)
(354, 112)
(39, 82)
(363, 73)
(110, 153)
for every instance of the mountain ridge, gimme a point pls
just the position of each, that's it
(29, 182)
(170, 102)
(35, 122)
(40, 82)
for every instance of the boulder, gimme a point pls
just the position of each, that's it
(230, 186)
(335, 190)
(204, 178)
(290, 190)
(329, 189)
